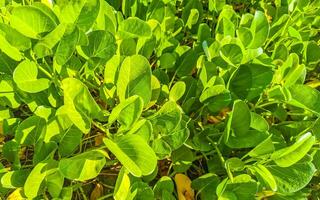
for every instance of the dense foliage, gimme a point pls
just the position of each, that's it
(159, 99)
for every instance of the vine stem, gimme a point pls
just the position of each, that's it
(83, 194)
(215, 145)
(45, 72)
(106, 196)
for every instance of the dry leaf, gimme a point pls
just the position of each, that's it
(224, 112)
(97, 192)
(98, 140)
(222, 115)
(314, 83)
(1, 133)
(1, 128)
(213, 120)
(184, 190)
(22, 153)
(16, 195)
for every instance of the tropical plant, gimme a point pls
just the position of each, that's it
(159, 99)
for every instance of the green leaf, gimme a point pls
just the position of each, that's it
(106, 19)
(242, 187)
(245, 35)
(83, 166)
(44, 151)
(249, 81)
(292, 71)
(259, 29)
(10, 151)
(134, 153)
(306, 97)
(234, 164)
(102, 44)
(167, 60)
(15, 38)
(204, 33)
(33, 185)
(80, 106)
(205, 184)
(143, 128)
(83, 13)
(193, 18)
(31, 21)
(258, 122)
(8, 64)
(177, 91)
(290, 155)
(216, 5)
(312, 53)
(238, 133)
(14, 179)
(192, 13)
(231, 53)
(265, 147)
(251, 139)
(226, 23)
(112, 69)
(10, 50)
(294, 178)
(167, 142)
(240, 118)
(156, 11)
(127, 112)
(46, 44)
(123, 184)
(216, 97)
(167, 118)
(8, 95)
(134, 27)
(165, 183)
(66, 47)
(135, 78)
(69, 141)
(128, 47)
(141, 190)
(265, 175)
(182, 159)
(187, 63)
(54, 183)
(26, 77)
(88, 13)
(156, 90)
(31, 130)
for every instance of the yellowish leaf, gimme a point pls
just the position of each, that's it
(1, 128)
(213, 120)
(1, 133)
(184, 190)
(97, 192)
(98, 140)
(16, 195)
(47, 2)
(22, 153)
(314, 83)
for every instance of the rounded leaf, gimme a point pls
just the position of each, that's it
(134, 153)
(26, 77)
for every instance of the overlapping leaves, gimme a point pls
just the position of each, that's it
(224, 90)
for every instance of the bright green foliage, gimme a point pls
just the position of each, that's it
(111, 99)
(25, 76)
(134, 153)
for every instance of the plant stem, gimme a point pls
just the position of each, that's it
(45, 72)
(106, 196)
(83, 194)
